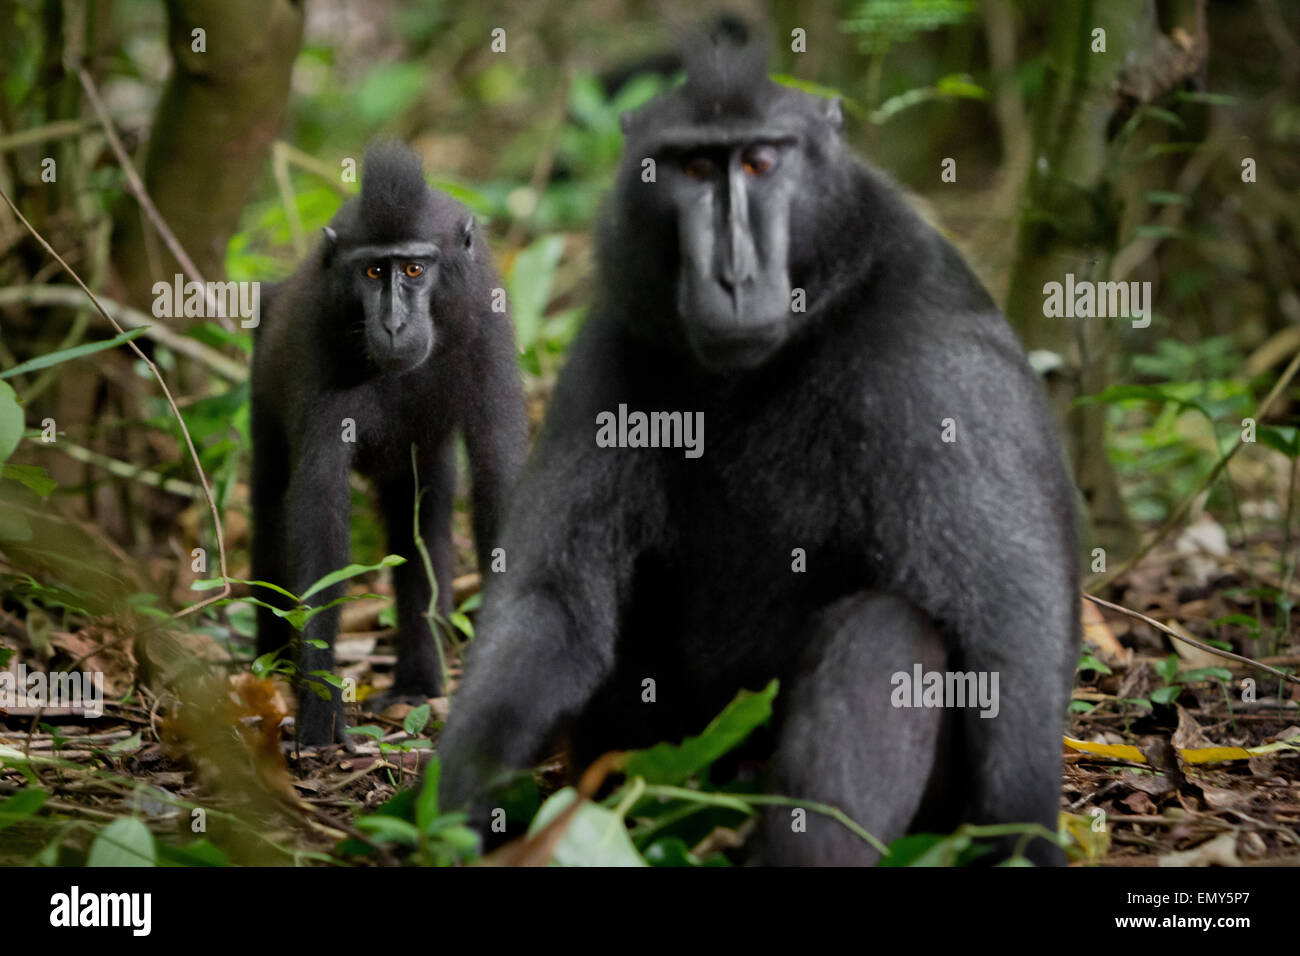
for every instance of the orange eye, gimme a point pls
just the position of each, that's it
(698, 167)
(758, 160)
(374, 272)
(413, 269)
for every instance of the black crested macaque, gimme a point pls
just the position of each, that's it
(384, 337)
(881, 495)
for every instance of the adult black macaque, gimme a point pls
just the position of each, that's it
(388, 324)
(881, 488)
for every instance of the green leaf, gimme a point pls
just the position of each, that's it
(673, 851)
(368, 730)
(1204, 673)
(198, 853)
(351, 571)
(426, 807)
(1168, 668)
(389, 90)
(417, 720)
(33, 477)
(960, 85)
(1160, 198)
(207, 584)
(11, 421)
(388, 829)
(64, 355)
(1089, 663)
(266, 664)
(21, 805)
(462, 623)
(124, 842)
(530, 285)
(1210, 99)
(1164, 695)
(594, 836)
(1283, 438)
(926, 849)
(675, 763)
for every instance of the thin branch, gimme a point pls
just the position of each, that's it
(60, 129)
(306, 161)
(62, 295)
(141, 194)
(180, 421)
(146, 476)
(280, 165)
(1209, 648)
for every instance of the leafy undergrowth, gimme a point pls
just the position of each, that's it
(1172, 756)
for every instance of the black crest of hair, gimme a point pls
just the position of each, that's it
(726, 67)
(880, 488)
(383, 343)
(394, 194)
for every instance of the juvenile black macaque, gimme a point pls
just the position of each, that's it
(384, 337)
(880, 489)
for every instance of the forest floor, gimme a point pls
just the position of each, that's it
(1171, 756)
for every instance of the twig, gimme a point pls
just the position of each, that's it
(280, 165)
(180, 420)
(1209, 648)
(145, 476)
(296, 157)
(141, 194)
(61, 129)
(61, 295)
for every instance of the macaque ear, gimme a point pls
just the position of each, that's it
(331, 242)
(467, 233)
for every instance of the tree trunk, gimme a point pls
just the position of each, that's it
(218, 115)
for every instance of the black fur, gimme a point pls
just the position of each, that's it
(640, 563)
(322, 355)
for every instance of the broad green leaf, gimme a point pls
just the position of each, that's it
(124, 842)
(417, 720)
(198, 853)
(21, 805)
(1164, 695)
(594, 836)
(1283, 438)
(675, 763)
(11, 421)
(33, 477)
(64, 355)
(530, 285)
